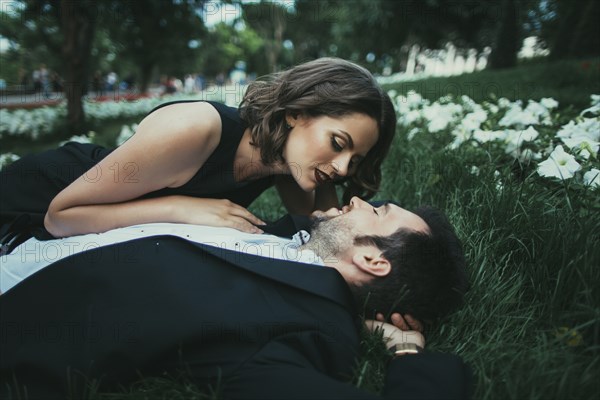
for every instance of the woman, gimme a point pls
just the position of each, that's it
(321, 123)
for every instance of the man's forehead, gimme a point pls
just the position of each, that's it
(408, 219)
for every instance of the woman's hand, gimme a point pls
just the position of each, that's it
(215, 212)
(394, 336)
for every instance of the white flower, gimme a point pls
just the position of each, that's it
(411, 134)
(568, 130)
(7, 158)
(529, 134)
(536, 108)
(503, 102)
(493, 108)
(78, 139)
(549, 102)
(441, 115)
(515, 139)
(590, 127)
(539, 111)
(483, 136)
(474, 119)
(474, 170)
(559, 165)
(499, 184)
(592, 178)
(587, 127)
(582, 143)
(411, 101)
(468, 103)
(595, 106)
(594, 110)
(409, 117)
(517, 117)
(460, 135)
(446, 99)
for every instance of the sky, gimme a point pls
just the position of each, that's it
(216, 11)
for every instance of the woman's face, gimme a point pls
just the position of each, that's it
(322, 149)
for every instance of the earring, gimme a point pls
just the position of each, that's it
(288, 126)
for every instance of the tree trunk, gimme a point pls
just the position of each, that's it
(508, 38)
(78, 23)
(561, 43)
(274, 44)
(145, 77)
(586, 34)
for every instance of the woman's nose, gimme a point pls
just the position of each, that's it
(340, 166)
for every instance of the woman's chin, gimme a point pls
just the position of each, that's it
(307, 185)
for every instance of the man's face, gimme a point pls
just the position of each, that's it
(334, 230)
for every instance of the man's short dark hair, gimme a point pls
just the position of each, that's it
(428, 277)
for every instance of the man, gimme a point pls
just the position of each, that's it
(258, 326)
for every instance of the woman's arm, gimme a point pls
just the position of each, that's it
(169, 147)
(297, 201)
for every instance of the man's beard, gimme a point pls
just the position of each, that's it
(330, 238)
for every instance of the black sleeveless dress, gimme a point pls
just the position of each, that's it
(28, 185)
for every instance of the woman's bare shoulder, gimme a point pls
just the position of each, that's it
(193, 117)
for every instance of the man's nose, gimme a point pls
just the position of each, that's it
(356, 202)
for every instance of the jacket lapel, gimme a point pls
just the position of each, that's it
(323, 281)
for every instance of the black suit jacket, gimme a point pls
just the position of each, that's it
(262, 328)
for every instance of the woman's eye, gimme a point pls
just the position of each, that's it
(375, 211)
(336, 146)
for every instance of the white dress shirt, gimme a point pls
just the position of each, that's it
(33, 255)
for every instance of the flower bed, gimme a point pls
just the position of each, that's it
(534, 135)
(34, 123)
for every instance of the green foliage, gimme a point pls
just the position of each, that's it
(32, 26)
(130, 37)
(155, 35)
(225, 46)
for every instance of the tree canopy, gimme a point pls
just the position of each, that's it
(150, 38)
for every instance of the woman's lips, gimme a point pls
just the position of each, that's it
(321, 177)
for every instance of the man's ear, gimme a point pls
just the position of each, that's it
(370, 260)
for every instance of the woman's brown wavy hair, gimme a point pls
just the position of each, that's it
(327, 86)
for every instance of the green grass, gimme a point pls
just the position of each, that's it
(533, 264)
(570, 82)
